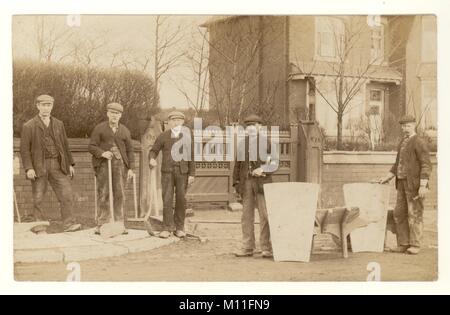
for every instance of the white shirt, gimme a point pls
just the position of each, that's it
(176, 131)
(114, 128)
(45, 120)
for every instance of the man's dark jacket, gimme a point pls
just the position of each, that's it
(32, 148)
(103, 139)
(241, 170)
(417, 162)
(164, 143)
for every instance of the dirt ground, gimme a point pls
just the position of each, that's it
(191, 260)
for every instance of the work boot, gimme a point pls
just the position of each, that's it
(97, 230)
(165, 234)
(28, 218)
(39, 229)
(180, 234)
(125, 232)
(72, 227)
(267, 254)
(400, 249)
(189, 212)
(244, 253)
(149, 229)
(413, 250)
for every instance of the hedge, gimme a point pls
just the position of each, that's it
(81, 95)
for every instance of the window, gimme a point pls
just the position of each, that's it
(326, 47)
(376, 102)
(329, 37)
(429, 39)
(375, 95)
(377, 48)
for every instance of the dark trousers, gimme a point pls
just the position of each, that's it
(174, 182)
(61, 186)
(408, 216)
(118, 187)
(251, 197)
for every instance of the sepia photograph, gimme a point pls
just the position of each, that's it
(225, 148)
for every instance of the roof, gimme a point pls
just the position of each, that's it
(218, 19)
(320, 68)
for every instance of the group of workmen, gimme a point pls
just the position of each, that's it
(47, 158)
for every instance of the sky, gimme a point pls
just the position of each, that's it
(132, 35)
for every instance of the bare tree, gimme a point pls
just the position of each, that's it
(349, 69)
(236, 68)
(193, 83)
(165, 54)
(50, 36)
(120, 57)
(86, 50)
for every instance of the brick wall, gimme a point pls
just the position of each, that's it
(340, 168)
(82, 184)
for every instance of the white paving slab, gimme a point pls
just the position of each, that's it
(25, 227)
(291, 209)
(46, 241)
(146, 244)
(81, 245)
(373, 203)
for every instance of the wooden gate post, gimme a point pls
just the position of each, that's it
(147, 140)
(294, 153)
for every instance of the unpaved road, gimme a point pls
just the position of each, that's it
(190, 260)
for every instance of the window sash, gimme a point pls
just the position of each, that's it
(377, 44)
(327, 45)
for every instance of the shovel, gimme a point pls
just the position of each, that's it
(95, 200)
(144, 222)
(113, 228)
(19, 219)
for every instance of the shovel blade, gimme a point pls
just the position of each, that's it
(110, 230)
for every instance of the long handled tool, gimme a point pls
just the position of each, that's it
(136, 211)
(153, 209)
(145, 221)
(95, 199)
(113, 228)
(17, 209)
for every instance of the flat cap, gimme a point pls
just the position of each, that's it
(176, 115)
(115, 106)
(252, 119)
(407, 119)
(44, 98)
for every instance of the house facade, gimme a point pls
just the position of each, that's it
(368, 69)
(419, 67)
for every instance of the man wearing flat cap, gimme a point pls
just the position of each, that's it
(111, 140)
(249, 176)
(47, 159)
(412, 171)
(177, 172)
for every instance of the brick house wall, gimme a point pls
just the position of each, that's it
(273, 98)
(264, 74)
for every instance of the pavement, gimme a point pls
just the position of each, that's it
(191, 260)
(78, 246)
(85, 245)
